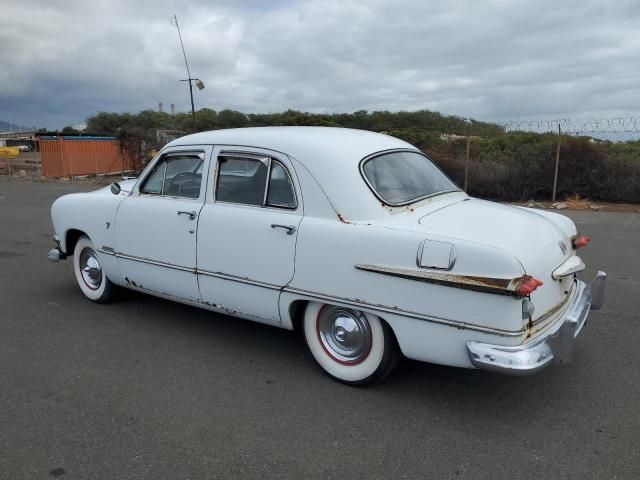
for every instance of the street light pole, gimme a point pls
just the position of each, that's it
(193, 110)
(199, 84)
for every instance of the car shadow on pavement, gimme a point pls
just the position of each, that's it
(468, 390)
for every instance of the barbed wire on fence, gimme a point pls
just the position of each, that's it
(614, 128)
(615, 125)
(596, 158)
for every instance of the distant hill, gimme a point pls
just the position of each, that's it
(6, 127)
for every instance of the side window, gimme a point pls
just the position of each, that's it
(175, 176)
(153, 183)
(241, 180)
(281, 193)
(244, 180)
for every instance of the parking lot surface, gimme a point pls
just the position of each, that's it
(146, 388)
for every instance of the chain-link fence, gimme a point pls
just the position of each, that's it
(597, 159)
(165, 136)
(614, 129)
(544, 160)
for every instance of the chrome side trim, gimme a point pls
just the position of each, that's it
(196, 271)
(332, 298)
(500, 286)
(407, 313)
(234, 278)
(147, 260)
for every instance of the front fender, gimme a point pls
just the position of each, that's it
(91, 213)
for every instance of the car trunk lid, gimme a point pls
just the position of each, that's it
(534, 240)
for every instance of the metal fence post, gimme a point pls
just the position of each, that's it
(466, 161)
(95, 159)
(39, 158)
(555, 176)
(65, 152)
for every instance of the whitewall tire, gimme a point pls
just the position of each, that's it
(351, 346)
(89, 273)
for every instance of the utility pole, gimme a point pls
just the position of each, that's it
(199, 84)
(193, 110)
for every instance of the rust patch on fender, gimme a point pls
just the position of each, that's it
(341, 218)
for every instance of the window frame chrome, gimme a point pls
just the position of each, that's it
(414, 200)
(201, 154)
(265, 159)
(293, 187)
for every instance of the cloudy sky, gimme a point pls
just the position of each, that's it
(61, 62)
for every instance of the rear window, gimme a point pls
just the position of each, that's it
(400, 178)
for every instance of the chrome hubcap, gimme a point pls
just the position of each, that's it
(90, 269)
(344, 333)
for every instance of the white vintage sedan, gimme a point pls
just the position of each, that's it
(356, 238)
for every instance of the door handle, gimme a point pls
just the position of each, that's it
(192, 214)
(289, 228)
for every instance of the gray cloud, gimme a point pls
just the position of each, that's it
(492, 60)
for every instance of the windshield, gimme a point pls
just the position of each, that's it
(398, 178)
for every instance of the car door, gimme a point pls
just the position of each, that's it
(247, 232)
(156, 225)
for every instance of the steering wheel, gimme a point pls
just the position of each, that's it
(179, 182)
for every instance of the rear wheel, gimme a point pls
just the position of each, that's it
(89, 273)
(351, 346)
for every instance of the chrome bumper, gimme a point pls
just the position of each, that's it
(555, 346)
(56, 254)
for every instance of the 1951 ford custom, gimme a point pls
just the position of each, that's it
(355, 237)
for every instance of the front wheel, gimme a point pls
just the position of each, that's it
(89, 273)
(351, 346)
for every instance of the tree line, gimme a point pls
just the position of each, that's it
(207, 119)
(503, 165)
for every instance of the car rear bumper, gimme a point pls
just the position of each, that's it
(555, 346)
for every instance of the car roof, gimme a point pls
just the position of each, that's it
(332, 155)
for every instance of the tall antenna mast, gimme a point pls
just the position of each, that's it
(199, 84)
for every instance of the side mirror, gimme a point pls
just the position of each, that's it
(115, 188)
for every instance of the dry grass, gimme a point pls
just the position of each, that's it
(574, 202)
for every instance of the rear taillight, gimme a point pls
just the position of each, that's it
(580, 241)
(528, 285)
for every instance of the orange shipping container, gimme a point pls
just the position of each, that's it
(72, 156)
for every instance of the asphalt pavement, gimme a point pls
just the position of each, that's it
(145, 388)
